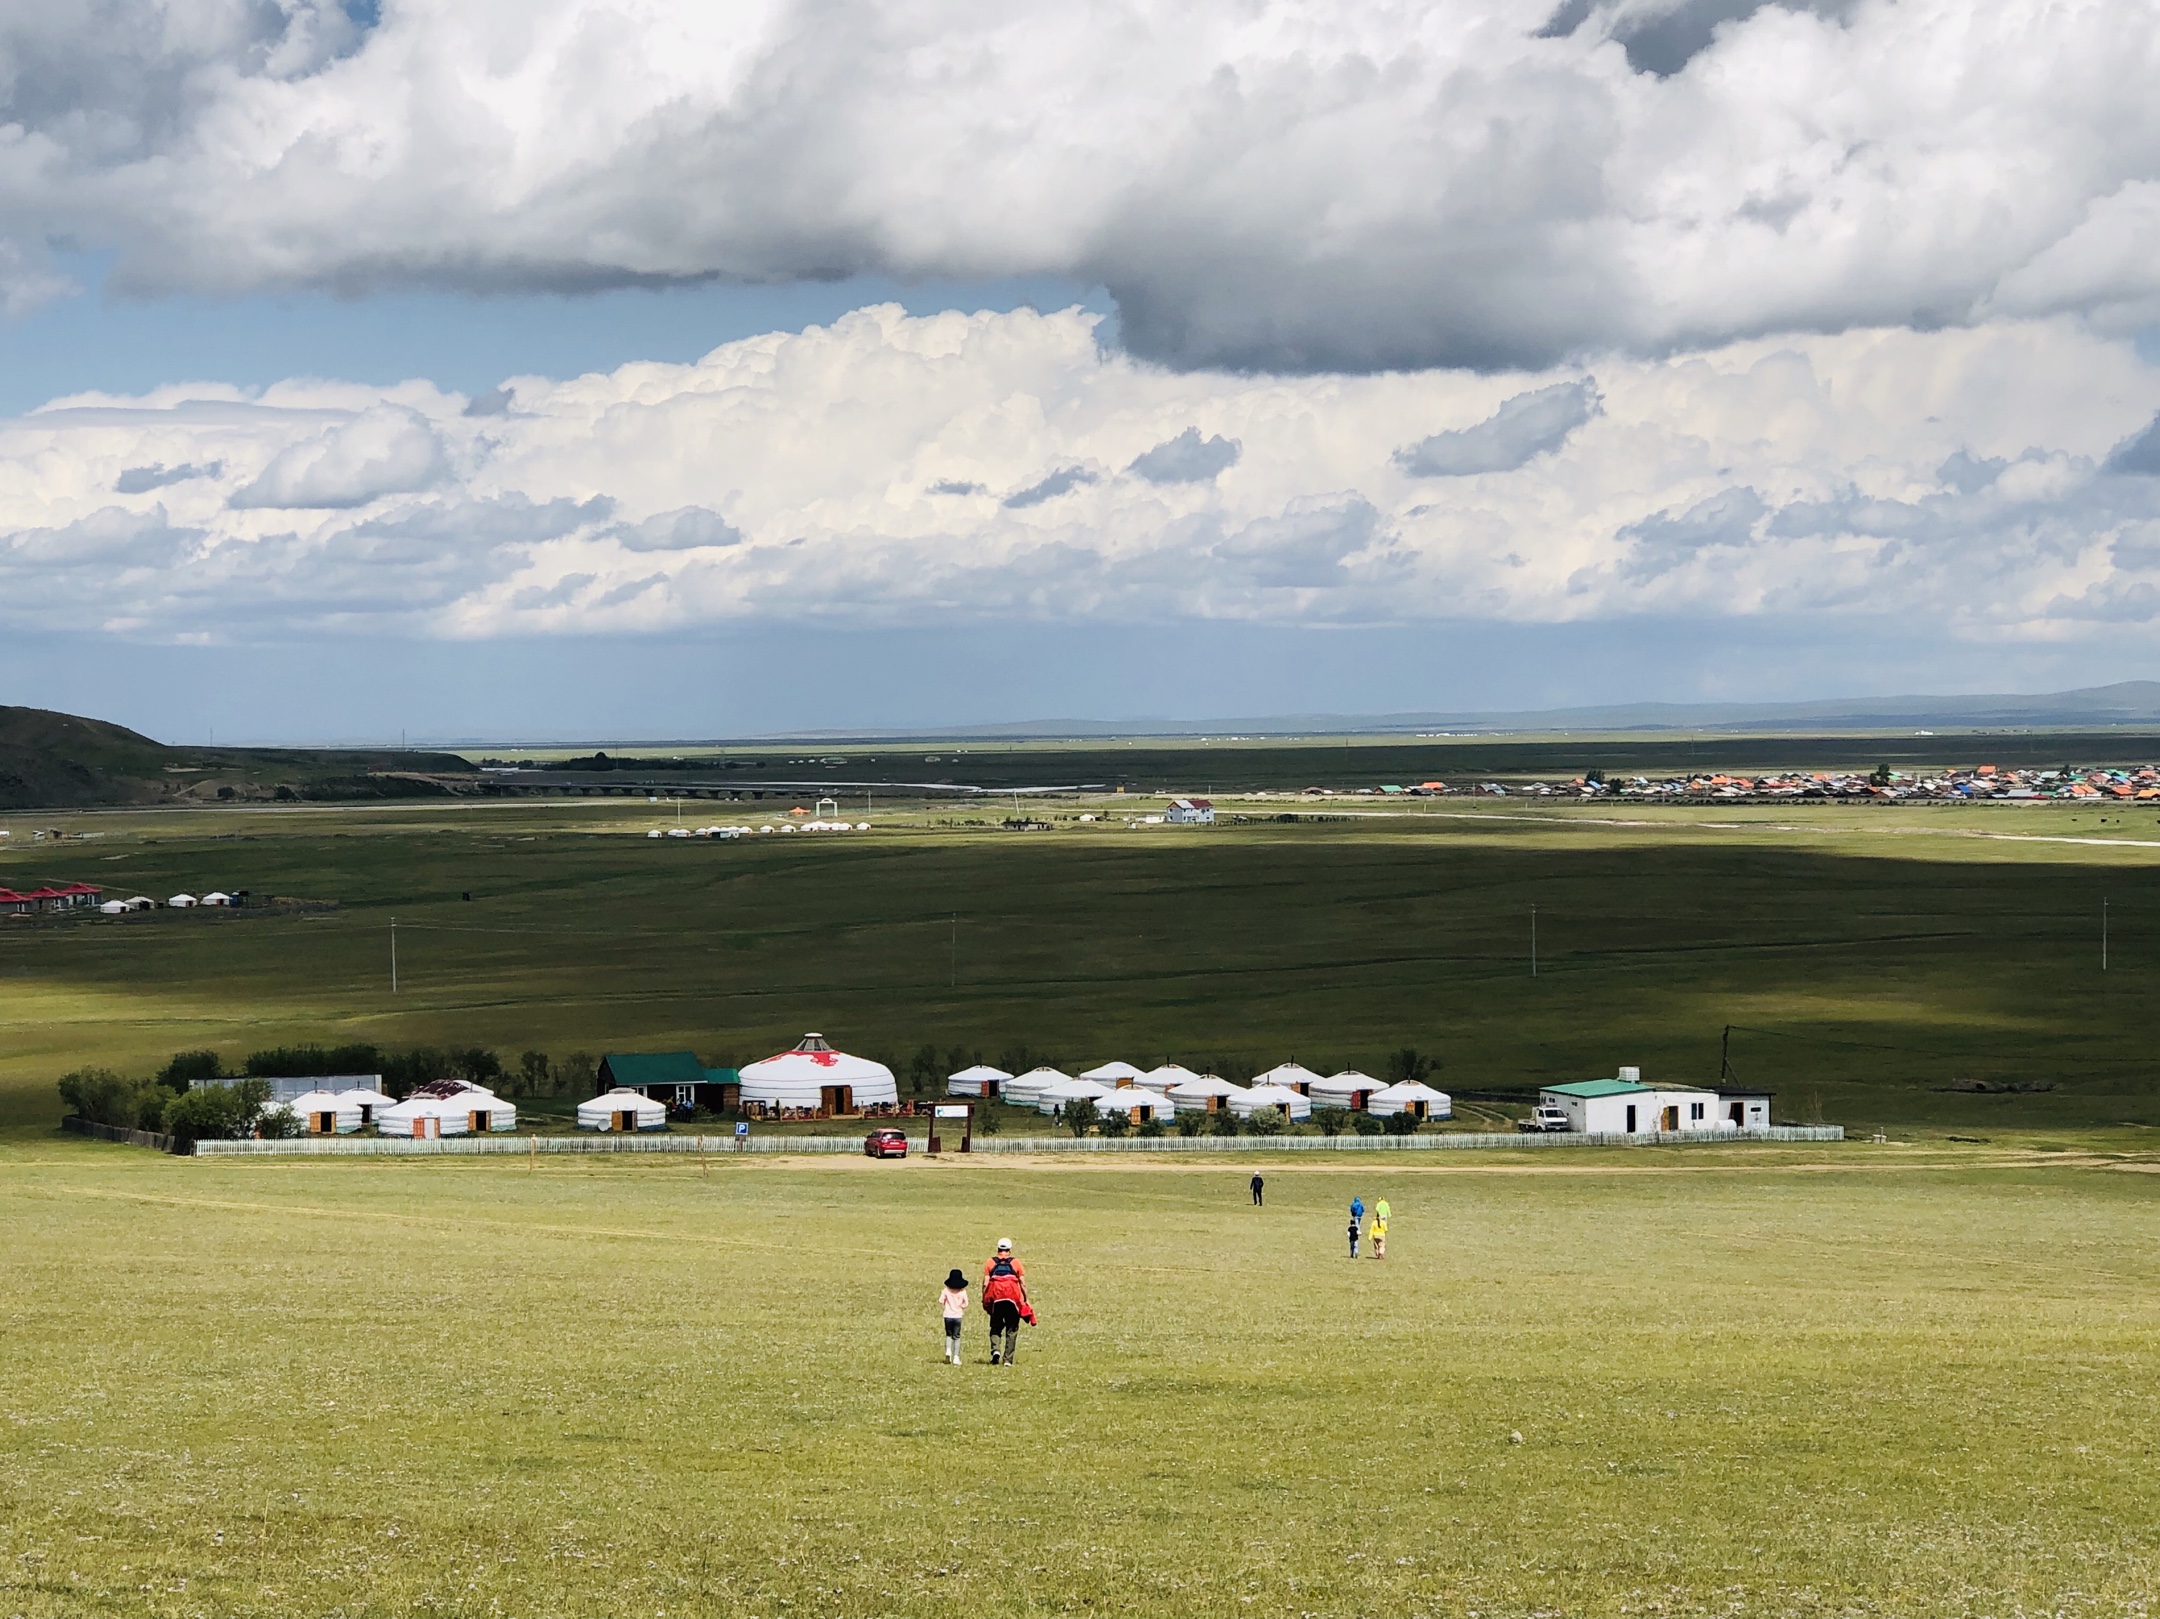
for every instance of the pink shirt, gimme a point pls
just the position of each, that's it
(953, 1301)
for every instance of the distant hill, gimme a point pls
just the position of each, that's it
(63, 761)
(2126, 703)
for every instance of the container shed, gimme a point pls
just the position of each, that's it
(621, 1109)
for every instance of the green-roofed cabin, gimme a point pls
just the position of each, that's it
(1627, 1107)
(676, 1078)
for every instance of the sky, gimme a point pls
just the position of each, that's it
(615, 368)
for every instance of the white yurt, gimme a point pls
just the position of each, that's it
(446, 1107)
(1347, 1089)
(1413, 1097)
(1167, 1078)
(1204, 1093)
(325, 1113)
(182, 902)
(367, 1100)
(114, 907)
(1137, 1103)
(1025, 1090)
(814, 1078)
(1257, 1097)
(1116, 1073)
(214, 897)
(1291, 1077)
(621, 1109)
(980, 1080)
(1054, 1096)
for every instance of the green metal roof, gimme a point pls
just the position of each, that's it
(652, 1068)
(723, 1076)
(1598, 1087)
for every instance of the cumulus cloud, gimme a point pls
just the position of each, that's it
(1188, 458)
(1995, 481)
(1525, 427)
(385, 451)
(1293, 185)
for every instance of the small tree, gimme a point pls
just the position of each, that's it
(406, 1070)
(1406, 1067)
(1267, 1121)
(279, 1123)
(1080, 1114)
(1222, 1122)
(219, 1112)
(534, 1073)
(987, 1119)
(188, 1066)
(1115, 1123)
(1404, 1123)
(1331, 1121)
(922, 1069)
(101, 1096)
(476, 1065)
(1365, 1124)
(1152, 1127)
(1189, 1124)
(580, 1075)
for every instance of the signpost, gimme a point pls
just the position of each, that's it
(963, 1111)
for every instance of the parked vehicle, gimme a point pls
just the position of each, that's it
(1544, 1119)
(885, 1144)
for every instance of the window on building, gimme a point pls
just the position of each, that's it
(1694, 1111)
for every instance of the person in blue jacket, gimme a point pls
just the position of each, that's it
(1357, 1223)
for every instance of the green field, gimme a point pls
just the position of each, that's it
(1869, 960)
(1863, 1379)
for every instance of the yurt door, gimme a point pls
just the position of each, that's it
(1417, 1110)
(476, 1121)
(626, 1121)
(323, 1124)
(838, 1098)
(426, 1127)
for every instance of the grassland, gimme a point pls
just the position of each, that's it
(1865, 1379)
(1867, 958)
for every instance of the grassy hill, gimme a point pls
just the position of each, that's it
(63, 761)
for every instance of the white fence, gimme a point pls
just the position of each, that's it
(722, 1146)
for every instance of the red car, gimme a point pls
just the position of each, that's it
(885, 1144)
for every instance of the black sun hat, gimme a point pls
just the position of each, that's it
(956, 1281)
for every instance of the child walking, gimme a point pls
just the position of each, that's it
(953, 1302)
(1356, 1227)
(1379, 1232)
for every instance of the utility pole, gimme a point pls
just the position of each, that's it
(393, 955)
(956, 950)
(1533, 941)
(1724, 1055)
(2103, 932)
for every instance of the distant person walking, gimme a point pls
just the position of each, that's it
(1356, 1230)
(1004, 1296)
(1257, 1184)
(952, 1304)
(1379, 1232)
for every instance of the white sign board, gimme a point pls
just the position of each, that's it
(952, 1112)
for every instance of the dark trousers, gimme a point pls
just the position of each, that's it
(1256, 1197)
(1005, 1324)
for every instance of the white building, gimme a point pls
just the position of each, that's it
(621, 1109)
(1137, 1103)
(1204, 1093)
(980, 1080)
(1025, 1090)
(1250, 1101)
(814, 1078)
(1413, 1097)
(1290, 1076)
(1349, 1089)
(1116, 1074)
(325, 1113)
(1626, 1106)
(1190, 812)
(447, 1107)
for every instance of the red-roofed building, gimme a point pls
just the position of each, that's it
(66, 897)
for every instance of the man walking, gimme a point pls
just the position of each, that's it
(1004, 1296)
(1257, 1183)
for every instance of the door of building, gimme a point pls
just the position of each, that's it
(1669, 1119)
(1631, 1118)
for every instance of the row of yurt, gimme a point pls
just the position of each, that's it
(622, 1109)
(980, 1080)
(339, 1113)
(814, 1078)
(1295, 1089)
(1136, 1103)
(447, 1107)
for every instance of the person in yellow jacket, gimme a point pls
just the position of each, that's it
(1379, 1229)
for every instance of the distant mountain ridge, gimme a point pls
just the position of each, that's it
(2125, 703)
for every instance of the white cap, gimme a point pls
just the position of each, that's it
(1004, 1242)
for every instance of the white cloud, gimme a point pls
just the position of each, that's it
(1291, 185)
(1993, 481)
